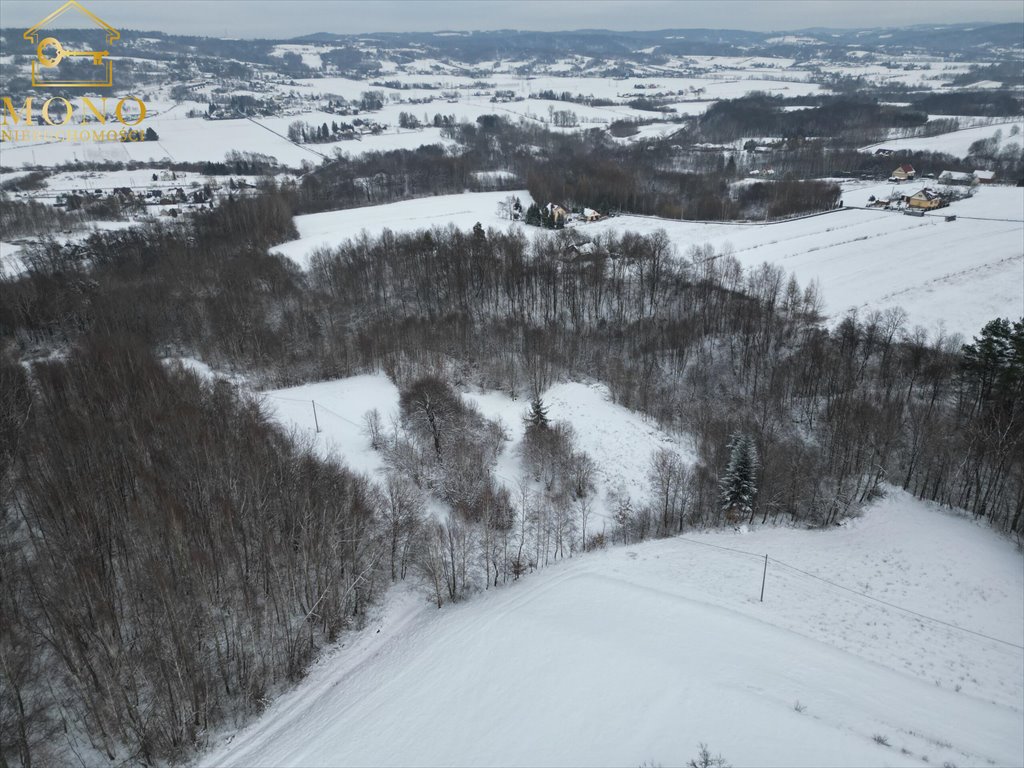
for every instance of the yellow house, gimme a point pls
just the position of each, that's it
(904, 173)
(926, 199)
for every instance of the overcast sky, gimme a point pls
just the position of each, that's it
(291, 18)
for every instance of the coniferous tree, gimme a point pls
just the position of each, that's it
(739, 481)
(537, 418)
(994, 364)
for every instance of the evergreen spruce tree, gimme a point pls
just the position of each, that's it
(537, 418)
(994, 364)
(739, 481)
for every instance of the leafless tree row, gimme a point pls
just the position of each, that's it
(168, 558)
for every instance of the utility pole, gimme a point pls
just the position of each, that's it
(764, 576)
(317, 422)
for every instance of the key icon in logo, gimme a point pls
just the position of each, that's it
(46, 73)
(61, 53)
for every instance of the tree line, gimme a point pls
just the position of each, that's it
(584, 169)
(170, 557)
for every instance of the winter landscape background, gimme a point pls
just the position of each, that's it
(518, 398)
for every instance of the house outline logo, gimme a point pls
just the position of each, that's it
(46, 61)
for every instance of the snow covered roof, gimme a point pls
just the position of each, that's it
(957, 175)
(984, 175)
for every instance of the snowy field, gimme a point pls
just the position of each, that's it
(956, 143)
(954, 276)
(443, 91)
(10, 259)
(138, 180)
(637, 654)
(720, 85)
(331, 228)
(184, 139)
(339, 410)
(620, 441)
(674, 629)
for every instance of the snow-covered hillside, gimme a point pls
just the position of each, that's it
(951, 275)
(193, 139)
(636, 654)
(955, 143)
(620, 441)
(322, 230)
(904, 626)
(331, 414)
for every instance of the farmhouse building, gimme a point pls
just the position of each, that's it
(956, 177)
(557, 213)
(926, 199)
(905, 172)
(984, 177)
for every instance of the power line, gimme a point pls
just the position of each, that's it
(898, 607)
(339, 416)
(758, 555)
(865, 595)
(282, 136)
(937, 215)
(288, 399)
(321, 407)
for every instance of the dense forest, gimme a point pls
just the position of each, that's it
(170, 556)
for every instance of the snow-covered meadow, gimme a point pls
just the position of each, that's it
(958, 143)
(949, 276)
(184, 139)
(896, 638)
(620, 441)
(331, 228)
(635, 655)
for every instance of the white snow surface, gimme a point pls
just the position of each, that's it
(620, 441)
(185, 139)
(956, 143)
(637, 654)
(948, 276)
(340, 407)
(331, 228)
(953, 276)
(10, 260)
